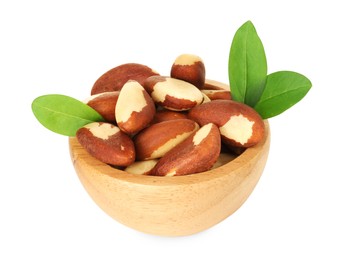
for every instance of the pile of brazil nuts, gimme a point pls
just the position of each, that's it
(166, 125)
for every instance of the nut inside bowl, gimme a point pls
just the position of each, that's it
(171, 206)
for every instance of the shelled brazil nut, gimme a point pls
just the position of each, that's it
(114, 79)
(134, 102)
(175, 124)
(239, 124)
(157, 139)
(107, 143)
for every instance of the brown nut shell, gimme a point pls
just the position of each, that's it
(156, 140)
(166, 115)
(105, 104)
(197, 153)
(135, 109)
(239, 124)
(173, 94)
(107, 143)
(114, 79)
(190, 68)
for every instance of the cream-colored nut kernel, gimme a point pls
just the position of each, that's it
(239, 124)
(162, 150)
(156, 140)
(170, 174)
(190, 68)
(173, 94)
(102, 131)
(141, 167)
(238, 128)
(107, 143)
(114, 79)
(187, 60)
(197, 153)
(177, 89)
(199, 136)
(132, 99)
(134, 108)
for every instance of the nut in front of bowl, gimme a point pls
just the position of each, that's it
(167, 125)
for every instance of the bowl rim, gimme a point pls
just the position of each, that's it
(80, 156)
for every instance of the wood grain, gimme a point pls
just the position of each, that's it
(171, 206)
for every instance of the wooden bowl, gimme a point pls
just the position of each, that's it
(171, 206)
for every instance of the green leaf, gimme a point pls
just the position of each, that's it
(62, 114)
(283, 90)
(247, 65)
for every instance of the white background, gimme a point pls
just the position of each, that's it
(64, 46)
